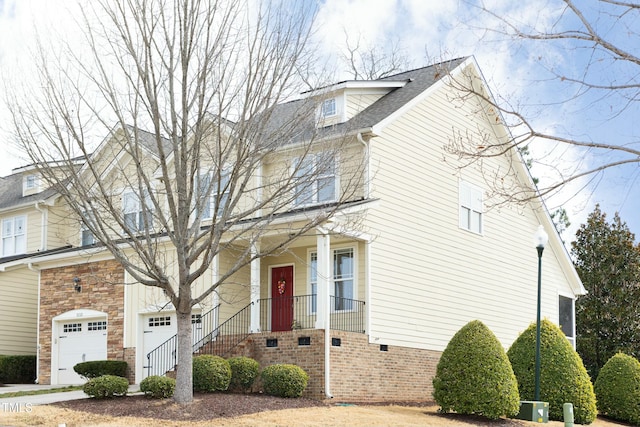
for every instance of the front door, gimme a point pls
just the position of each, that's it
(281, 298)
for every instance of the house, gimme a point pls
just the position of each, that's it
(365, 310)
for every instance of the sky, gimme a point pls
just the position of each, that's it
(520, 74)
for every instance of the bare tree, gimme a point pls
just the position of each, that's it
(600, 42)
(375, 62)
(207, 79)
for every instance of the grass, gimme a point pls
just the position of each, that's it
(41, 391)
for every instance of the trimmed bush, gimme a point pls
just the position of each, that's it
(17, 369)
(211, 373)
(106, 386)
(474, 376)
(563, 377)
(158, 387)
(244, 371)
(618, 389)
(284, 380)
(98, 368)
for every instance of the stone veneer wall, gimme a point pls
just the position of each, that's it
(360, 372)
(102, 290)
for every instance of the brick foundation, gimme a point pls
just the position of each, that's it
(360, 372)
(102, 290)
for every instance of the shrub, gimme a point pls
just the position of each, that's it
(98, 368)
(563, 377)
(106, 386)
(474, 376)
(618, 389)
(244, 371)
(17, 369)
(158, 387)
(284, 380)
(211, 373)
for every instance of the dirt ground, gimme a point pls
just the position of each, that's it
(235, 410)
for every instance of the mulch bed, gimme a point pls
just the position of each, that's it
(205, 406)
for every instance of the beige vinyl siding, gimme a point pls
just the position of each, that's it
(19, 308)
(429, 277)
(235, 293)
(358, 101)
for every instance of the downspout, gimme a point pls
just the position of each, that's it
(324, 257)
(366, 165)
(43, 225)
(37, 270)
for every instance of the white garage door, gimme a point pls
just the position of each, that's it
(157, 329)
(79, 341)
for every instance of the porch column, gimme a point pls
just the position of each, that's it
(255, 290)
(323, 301)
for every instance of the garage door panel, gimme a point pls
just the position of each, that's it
(80, 342)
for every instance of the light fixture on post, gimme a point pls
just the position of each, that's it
(76, 284)
(540, 240)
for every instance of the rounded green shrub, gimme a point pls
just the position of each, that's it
(474, 376)
(97, 368)
(158, 387)
(244, 371)
(618, 389)
(17, 369)
(284, 380)
(563, 377)
(211, 373)
(106, 386)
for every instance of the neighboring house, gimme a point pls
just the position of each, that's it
(428, 257)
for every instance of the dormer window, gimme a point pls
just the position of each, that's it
(329, 107)
(31, 182)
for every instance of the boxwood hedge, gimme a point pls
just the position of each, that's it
(284, 380)
(474, 376)
(618, 389)
(211, 373)
(563, 377)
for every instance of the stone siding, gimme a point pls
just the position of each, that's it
(102, 290)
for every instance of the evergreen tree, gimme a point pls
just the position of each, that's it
(608, 262)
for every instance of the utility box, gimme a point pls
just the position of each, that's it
(534, 411)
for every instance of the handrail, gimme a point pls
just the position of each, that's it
(228, 335)
(162, 359)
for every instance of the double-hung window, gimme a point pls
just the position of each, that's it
(209, 190)
(471, 207)
(137, 215)
(316, 179)
(328, 108)
(343, 279)
(13, 236)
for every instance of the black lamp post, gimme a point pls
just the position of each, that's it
(540, 239)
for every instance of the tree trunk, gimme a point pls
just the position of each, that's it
(184, 380)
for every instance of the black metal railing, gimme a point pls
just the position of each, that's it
(299, 312)
(228, 335)
(276, 314)
(163, 358)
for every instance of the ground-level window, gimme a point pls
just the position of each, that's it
(471, 207)
(566, 317)
(343, 279)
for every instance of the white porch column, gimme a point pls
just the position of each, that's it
(255, 290)
(323, 308)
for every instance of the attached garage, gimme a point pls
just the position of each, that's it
(79, 336)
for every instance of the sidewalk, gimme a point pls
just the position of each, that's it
(42, 399)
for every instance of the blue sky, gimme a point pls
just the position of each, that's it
(520, 73)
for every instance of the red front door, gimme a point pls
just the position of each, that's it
(281, 298)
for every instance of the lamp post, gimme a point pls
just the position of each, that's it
(540, 239)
